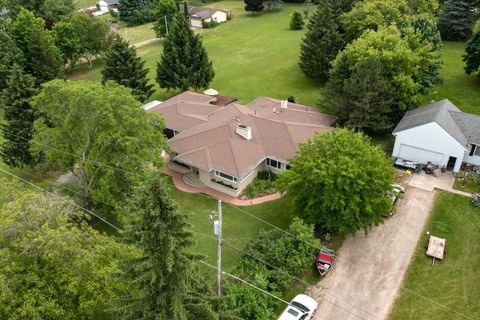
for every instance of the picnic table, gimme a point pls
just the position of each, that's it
(436, 248)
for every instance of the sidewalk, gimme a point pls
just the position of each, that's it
(182, 186)
(429, 182)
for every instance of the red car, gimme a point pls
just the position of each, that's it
(325, 261)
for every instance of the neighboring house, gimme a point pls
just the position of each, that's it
(439, 133)
(223, 145)
(197, 15)
(107, 5)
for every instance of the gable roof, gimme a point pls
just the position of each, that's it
(201, 12)
(213, 144)
(463, 127)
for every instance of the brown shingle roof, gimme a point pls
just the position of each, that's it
(208, 139)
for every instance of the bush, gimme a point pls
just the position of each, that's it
(296, 21)
(210, 24)
(262, 185)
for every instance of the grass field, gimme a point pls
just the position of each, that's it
(453, 282)
(86, 3)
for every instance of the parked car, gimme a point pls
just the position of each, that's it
(395, 195)
(302, 307)
(406, 165)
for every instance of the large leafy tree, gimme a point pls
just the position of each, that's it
(254, 5)
(184, 63)
(164, 273)
(53, 264)
(406, 61)
(19, 116)
(165, 11)
(472, 54)
(456, 20)
(125, 68)
(136, 12)
(99, 133)
(340, 181)
(321, 43)
(68, 41)
(363, 100)
(50, 10)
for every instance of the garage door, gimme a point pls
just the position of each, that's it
(415, 154)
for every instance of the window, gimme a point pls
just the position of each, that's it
(274, 163)
(225, 176)
(477, 151)
(474, 150)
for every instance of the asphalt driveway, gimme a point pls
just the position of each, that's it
(370, 268)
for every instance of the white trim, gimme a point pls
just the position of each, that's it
(218, 174)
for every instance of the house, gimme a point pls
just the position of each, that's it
(438, 133)
(107, 5)
(198, 15)
(221, 144)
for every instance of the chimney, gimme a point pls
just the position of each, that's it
(284, 104)
(244, 131)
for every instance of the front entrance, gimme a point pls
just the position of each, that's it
(451, 163)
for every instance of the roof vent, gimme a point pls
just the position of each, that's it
(284, 104)
(244, 131)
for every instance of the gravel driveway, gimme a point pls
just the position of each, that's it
(370, 268)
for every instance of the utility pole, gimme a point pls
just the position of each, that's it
(166, 24)
(217, 230)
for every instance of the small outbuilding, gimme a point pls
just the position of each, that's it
(107, 5)
(438, 133)
(198, 15)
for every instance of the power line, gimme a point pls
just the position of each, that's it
(63, 199)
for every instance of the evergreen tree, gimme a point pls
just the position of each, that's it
(184, 63)
(19, 117)
(296, 21)
(321, 43)
(254, 5)
(456, 20)
(165, 271)
(9, 56)
(273, 4)
(362, 101)
(136, 12)
(472, 54)
(44, 60)
(125, 68)
(164, 13)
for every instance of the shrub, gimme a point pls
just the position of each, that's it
(210, 24)
(262, 185)
(296, 21)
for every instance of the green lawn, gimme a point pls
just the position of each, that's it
(453, 282)
(86, 3)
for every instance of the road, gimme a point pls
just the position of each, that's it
(370, 268)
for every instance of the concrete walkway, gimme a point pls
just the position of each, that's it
(182, 186)
(428, 182)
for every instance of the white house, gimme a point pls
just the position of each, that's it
(438, 133)
(197, 15)
(220, 144)
(105, 6)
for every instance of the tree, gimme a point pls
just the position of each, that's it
(184, 63)
(340, 181)
(472, 54)
(406, 59)
(363, 100)
(163, 273)
(19, 117)
(99, 133)
(44, 60)
(254, 6)
(54, 265)
(164, 13)
(125, 68)
(456, 20)
(273, 4)
(24, 25)
(321, 43)
(296, 21)
(424, 6)
(10, 55)
(136, 12)
(307, 5)
(68, 41)
(50, 10)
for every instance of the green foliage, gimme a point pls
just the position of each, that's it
(289, 254)
(210, 24)
(363, 100)
(165, 9)
(49, 10)
(164, 274)
(19, 116)
(321, 43)
(100, 134)
(68, 41)
(406, 59)
(339, 181)
(472, 54)
(424, 6)
(254, 5)
(125, 68)
(273, 4)
(456, 20)
(136, 12)
(24, 25)
(184, 63)
(10, 55)
(53, 265)
(296, 21)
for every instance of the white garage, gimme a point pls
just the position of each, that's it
(438, 133)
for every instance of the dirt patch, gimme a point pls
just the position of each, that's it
(370, 268)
